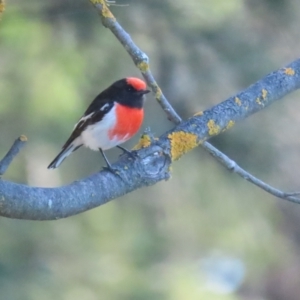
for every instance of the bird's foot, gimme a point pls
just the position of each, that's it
(109, 168)
(133, 154)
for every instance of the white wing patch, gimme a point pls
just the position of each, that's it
(104, 106)
(84, 118)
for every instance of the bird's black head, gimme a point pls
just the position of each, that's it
(129, 91)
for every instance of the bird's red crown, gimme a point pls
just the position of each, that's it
(136, 83)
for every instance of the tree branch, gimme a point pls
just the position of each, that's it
(140, 58)
(154, 157)
(12, 153)
(234, 167)
(142, 62)
(152, 165)
(34, 203)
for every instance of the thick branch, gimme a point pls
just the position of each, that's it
(23, 202)
(33, 203)
(258, 96)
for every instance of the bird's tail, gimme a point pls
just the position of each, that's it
(62, 155)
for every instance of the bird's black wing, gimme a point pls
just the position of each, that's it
(94, 113)
(99, 103)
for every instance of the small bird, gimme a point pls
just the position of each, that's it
(113, 117)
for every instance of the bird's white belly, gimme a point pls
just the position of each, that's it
(97, 135)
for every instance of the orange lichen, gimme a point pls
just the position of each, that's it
(145, 141)
(199, 113)
(237, 100)
(213, 129)
(181, 142)
(289, 71)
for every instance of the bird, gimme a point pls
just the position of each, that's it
(111, 119)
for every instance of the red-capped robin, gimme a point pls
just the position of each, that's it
(113, 117)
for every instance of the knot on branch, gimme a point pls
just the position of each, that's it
(153, 164)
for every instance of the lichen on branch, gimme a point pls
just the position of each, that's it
(2, 7)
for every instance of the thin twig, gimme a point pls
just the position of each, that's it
(142, 62)
(234, 167)
(140, 59)
(12, 153)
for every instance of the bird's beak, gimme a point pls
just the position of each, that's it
(143, 92)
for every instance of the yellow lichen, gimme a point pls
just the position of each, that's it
(200, 113)
(143, 66)
(105, 12)
(238, 101)
(264, 94)
(23, 138)
(158, 93)
(181, 142)
(289, 71)
(2, 6)
(258, 101)
(102, 2)
(145, 141)
(213, 129)
(230, 124)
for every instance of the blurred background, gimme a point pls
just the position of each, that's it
(204, 234)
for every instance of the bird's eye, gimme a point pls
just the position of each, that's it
(130, 89)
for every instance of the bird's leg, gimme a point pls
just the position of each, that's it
(132, 154)
(106, 160)
(109, 166)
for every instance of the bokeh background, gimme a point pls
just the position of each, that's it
(204, 234)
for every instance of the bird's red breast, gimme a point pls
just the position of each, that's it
(128, 122)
